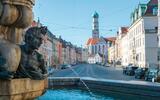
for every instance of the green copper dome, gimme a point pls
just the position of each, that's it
(95, 15)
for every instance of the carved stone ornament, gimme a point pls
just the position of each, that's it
(15, 16)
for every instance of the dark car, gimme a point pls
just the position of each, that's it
(151, 75)
(118, 62)
(131, 70)
(65, 66)
(107, 65)
(102, 64)
(158, 77)
(140, 72)
(126, 67)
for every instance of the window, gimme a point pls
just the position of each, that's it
(140, 57)
(95, 49)
(158, 58)
(155, 11)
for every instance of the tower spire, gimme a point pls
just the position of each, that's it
(95, 28)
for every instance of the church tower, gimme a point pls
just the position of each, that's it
(95, 27)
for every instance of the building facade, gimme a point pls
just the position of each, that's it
(46, 49)
(111, 49)
(143, 41)
(96, 58)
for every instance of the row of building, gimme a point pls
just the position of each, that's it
(138, 43)
(57, 51)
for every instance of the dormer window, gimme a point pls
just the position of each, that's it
(155, 11)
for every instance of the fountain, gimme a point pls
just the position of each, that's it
(20, 77)
(61, 88)
(22, 69)
(82, 82)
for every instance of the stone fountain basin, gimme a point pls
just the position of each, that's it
(21, 89)
(137, 88)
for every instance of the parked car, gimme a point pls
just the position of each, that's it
(140, 72)
(126, 67)
(102, 64)
(151, 75)
(118, 62)
(65, 66)
(131, 70)
(97, 63)
(107, 65)
(158, 77)
(73, 64)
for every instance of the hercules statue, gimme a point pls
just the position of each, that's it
(15, 16)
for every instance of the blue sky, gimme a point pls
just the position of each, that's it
(72, 19)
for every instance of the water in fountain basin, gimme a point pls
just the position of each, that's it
(91, 94)
(72, 94)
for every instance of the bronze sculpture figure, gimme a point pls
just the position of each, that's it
(32, 64)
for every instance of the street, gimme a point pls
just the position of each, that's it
(94, 71)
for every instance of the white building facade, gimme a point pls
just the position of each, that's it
(142, 35)
(125, 50)
(97, 58)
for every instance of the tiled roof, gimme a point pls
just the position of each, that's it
(112, 39)
(124, 29)
(92, 41)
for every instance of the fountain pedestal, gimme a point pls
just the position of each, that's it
(21, 89)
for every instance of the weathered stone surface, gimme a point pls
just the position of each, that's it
(15, 16)
(20, 16)
(12, 53)
(11, 34)
(21, 89)
(28, 3)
